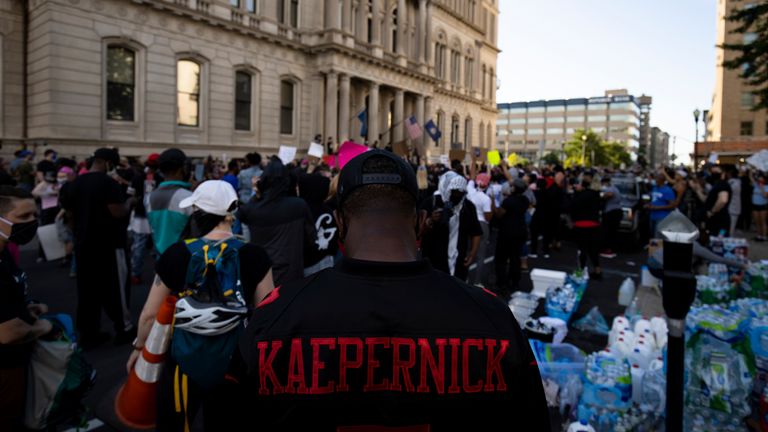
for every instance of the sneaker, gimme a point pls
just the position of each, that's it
(608, 254)
(534, 256)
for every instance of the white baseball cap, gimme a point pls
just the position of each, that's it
(212, 196)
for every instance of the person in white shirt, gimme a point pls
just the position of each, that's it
(484, 206)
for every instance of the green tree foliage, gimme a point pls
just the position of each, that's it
(751, 53)
(551, 158)
(596, 152)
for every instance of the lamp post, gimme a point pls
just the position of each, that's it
(583, 149)
(696, 114)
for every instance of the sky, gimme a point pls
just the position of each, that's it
(560, 49)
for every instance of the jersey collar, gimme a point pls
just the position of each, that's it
(390, 269)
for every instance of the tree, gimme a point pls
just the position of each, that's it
(551, 158)
(752, 53)
(596, 151)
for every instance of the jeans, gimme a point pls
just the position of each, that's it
(138, 252)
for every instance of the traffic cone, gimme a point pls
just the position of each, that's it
(136, 402)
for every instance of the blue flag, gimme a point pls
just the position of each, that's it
(433, 131)
(363, 117)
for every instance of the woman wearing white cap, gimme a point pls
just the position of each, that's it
(214, 203)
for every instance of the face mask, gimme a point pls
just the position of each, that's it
(203, 223)
(21, 233)
(456, 199)
(61, 181)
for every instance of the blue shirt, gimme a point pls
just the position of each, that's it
(661, 196)
(758, 198)
(231, 179)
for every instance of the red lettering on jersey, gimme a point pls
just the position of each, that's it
(474, 388)
(374, 364)
(265, 367)
(344, 363)
(317, 365)
(493, 366)
(296, 369)
(399, 365)
(437, 370)
(455, 344)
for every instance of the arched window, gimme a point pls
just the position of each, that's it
(243, 100)
(489, 134)
(491, 84)
(455, 129)
(468, 66)
(468, 133)
(482, 134)
(483, 92)
(287, 102)
(121, 83)
(455, 66)
(188, 92)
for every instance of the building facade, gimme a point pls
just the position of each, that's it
(226, 77)
(528, 128)
(733, 129)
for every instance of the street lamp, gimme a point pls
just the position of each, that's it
(696, 114)
(583, 149)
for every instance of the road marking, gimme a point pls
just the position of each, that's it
(93, 423)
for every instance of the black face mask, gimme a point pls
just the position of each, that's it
(21, 233)
(203, 223)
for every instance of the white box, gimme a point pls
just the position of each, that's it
(543, 279)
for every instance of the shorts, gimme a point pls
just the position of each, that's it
(756, 207)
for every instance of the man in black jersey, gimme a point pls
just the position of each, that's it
(383, 340)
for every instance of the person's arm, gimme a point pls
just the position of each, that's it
(475, 245)
(264, 287)
(706, 254)
(679, 192)
(722, 201)
(37, 192)
(698, 190)
(157, 295)
(121, 210)
(16, 331)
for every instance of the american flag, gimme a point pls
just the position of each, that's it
(414, 129)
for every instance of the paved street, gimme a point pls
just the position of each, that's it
(49, 282)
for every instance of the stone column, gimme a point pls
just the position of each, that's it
(420, 117)
(402, 28)
(376, 22)
(428, 38)
(344, 109)
(422, 33)
(399, 118)
(331, 106)
(331, 14)
(478, 60)
(373, 113)
(359, 98)
(386, 35)
(346, 16)
(362, 21)
(269, 13)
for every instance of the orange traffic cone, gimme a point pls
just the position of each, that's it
(135, 404)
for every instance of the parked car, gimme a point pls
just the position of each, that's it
(633, 199)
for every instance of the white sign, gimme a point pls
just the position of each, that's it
(712, 158)
(315, 150)
(287, 154)
(445, 160)
(49, 240)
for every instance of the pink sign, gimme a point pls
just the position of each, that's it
(348, 151)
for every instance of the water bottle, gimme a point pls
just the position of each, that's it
(654, 390)
(626, 292)
(580, 426)
(637, 383)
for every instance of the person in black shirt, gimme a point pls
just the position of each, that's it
(383, 339)
(512, 236)
(19, 323)
(214, 202)
(585, 216)
(99, 208)
(280, 223)
(47, 166)
(313, 188)
(717, 219)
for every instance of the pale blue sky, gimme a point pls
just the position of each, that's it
(554, 49)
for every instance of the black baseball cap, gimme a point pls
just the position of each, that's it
(108, 155)
(171, 159)
(352, 175)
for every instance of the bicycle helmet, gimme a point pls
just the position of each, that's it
(208, 319)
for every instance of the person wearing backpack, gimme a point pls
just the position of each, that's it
(217, 278)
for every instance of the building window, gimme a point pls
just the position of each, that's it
(483, 89)
(455, 67)
(440, 126)
(243, 100)
(746, 128)
(250, 6)
(454, 129)
(491, 84)
(394, 41)
(286, 107)
(188, 88)
(467, 133)
(121, 83)
(440, 50)
(482, 134)
(747, 100)
(235, 3)
(468, 73)
(749, 38)
(489, 134)
(294, 13)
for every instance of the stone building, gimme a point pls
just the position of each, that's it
(225, 77)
